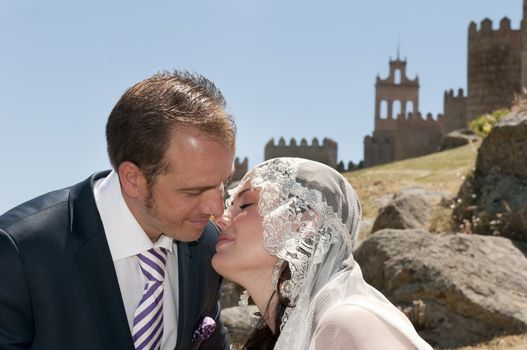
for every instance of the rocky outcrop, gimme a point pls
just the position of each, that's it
(230, 294)
(458, 289)
(457, 138)
(239, 321)
(494, 199)
(410, 208)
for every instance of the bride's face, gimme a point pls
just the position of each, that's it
(240, 250)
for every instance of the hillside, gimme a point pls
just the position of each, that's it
(439, 172)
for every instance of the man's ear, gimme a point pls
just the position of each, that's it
(133, 181)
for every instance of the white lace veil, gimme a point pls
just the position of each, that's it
(310, 217)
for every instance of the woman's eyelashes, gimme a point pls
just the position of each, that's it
(245, 205)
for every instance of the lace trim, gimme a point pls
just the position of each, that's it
(299, 226)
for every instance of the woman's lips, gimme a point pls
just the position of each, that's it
(223, 239)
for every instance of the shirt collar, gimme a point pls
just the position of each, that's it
(124, 234)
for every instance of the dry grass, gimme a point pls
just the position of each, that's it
(511, 342)
(439, 172)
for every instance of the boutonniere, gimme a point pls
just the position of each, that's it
(204, 330)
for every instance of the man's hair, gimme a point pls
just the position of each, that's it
(141, 123)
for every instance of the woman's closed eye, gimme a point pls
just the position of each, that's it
(245, 205)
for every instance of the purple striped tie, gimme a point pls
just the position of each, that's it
(148, 317)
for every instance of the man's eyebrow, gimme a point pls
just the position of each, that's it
(197, 188)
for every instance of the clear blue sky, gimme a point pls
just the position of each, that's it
(291, 68)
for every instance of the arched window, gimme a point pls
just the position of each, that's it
(397, 76)
(410, 107)
(384, 109)
(397, 109)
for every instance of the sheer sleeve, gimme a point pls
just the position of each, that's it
(354, 327)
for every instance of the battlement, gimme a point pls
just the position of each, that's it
(326, 142)
(451, 96)
(240, 169)
(325, 152)
(429, 117)
(341, 167)
(486, 27)
(494, 66)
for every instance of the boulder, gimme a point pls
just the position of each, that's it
(239, 321)
(494, 199)
(230, 294)
(504, 150)
(457, 138)
(457, 289)
(409, 208)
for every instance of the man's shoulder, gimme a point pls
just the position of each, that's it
(36, 209)
(48, 209)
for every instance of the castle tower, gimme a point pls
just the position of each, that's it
(495, 66)
(524, 46)
(397, 88)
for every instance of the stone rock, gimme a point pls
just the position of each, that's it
(457, 289)
(230, 294)
(238, 320)
(493, 200)
(409, 208)
(457, 138)
(504, 150)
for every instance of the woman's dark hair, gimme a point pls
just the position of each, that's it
(262, 337)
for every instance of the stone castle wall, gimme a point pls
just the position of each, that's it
(413, 136)
(325, 153)
(417, 136)
(240, 169)
(496, 74)
(494, 67)
(454, 111)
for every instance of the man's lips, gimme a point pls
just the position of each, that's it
(199, 222)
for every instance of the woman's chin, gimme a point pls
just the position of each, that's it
(219, 265)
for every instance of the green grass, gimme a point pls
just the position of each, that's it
(442, 172)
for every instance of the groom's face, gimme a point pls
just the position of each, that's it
(181, 201)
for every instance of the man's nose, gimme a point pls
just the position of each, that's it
(213, 202)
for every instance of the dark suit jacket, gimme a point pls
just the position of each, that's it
(59, 289)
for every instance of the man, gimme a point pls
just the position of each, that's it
(122, 260)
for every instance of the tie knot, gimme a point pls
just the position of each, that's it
(152, 263)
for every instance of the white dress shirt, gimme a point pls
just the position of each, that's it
(126, 239)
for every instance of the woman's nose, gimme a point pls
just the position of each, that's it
(224, 220)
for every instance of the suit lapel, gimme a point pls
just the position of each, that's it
(189, 292)
(96, 267)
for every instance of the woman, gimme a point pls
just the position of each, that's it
(287, 238)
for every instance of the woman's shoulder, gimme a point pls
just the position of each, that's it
(353, 326)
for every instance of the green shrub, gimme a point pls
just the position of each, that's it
(483, 125)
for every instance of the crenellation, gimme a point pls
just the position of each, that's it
(325, 152)
(496, 73)
(240, 169)
(486, 25)
(472, 28)
(494, 68)
(505, 24)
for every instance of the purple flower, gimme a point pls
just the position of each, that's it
(205, 329)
